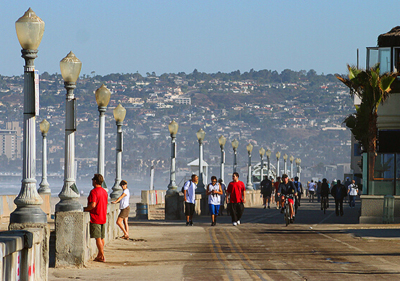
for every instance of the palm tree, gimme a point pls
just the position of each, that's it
(372, 89)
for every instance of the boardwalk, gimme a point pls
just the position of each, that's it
(316, 247)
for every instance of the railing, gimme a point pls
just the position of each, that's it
(21, 255)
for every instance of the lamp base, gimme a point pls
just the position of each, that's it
(69, 205)
(28, 214)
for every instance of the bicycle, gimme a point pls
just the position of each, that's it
(287, 210)
(324, 203)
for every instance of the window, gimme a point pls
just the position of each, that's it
(381, 55)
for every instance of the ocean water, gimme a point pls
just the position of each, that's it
(12, 185)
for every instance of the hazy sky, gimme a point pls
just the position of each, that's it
(211, 36)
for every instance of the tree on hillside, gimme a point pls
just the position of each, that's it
(372, 89)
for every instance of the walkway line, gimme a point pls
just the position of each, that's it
(263, 276)
(219, 253)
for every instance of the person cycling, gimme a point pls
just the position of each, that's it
(287, 188)
(324, 194)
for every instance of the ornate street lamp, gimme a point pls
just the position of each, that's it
(222, 141)
(298, 162)
(30, 29)
(200, 185)
(268, 153)
(262, 152)
(291, 165)
(278, 155)
(44, 185)
(173, 130)
(70, 68)
(285, 157)
(249, 184)
(235, 145)
(119, 116)
(103, 96)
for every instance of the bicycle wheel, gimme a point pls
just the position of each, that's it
(287, 215)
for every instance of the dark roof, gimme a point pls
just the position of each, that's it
(390, 39)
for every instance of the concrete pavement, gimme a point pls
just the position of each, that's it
(316, 247)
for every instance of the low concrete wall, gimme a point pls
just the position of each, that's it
(153, 197)
(73, 243)
(7, 205)
(372, 208)
(24, 254)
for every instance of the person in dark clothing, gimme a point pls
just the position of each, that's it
(287, 188)
(266, 191)
(299, 188)
(325, 193)
(339, 192)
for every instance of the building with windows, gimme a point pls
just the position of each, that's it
(11, 141)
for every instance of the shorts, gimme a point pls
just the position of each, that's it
(124, 213)
(189, 209)
(311, 192)
(97, 230)
(290, 200)
(214, 209)
(266, 195)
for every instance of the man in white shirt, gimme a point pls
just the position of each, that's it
(189, 192)
(311, 191)
(352, 190)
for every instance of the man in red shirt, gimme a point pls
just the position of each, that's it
(97, 206)
(236, 195)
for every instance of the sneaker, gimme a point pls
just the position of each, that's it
(265, 207)
(191, 223)
(282, 210)
(234, 224)
(291, 220)
(212, 223)
(269, 207)
(187, 223)
(238, 222)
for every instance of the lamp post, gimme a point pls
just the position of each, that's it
(44, 185)
(262, 152)
(119, 116)
(30, 30)
(222, 141)
(268, 153)
(291, 165)
(285, 157)
(200, 185)
(235, 145)
(278, 155)
(249, 184)
(298, 162)
(102, 98)
(70, 67)
(173, 130)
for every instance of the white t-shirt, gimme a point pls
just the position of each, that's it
(190, 188)
(125, 200)
(353, 190)
(214, 199)
(311, 187)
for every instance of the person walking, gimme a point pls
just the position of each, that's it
(266, 191)
(353, 192)
(339, 192)
(346, 185)
(276, 186)
(325, 193)
(214, 192)
(311, 191)
(189, 194)
(236, 196)
(122, 220)
(318, 184)
(299, 189)
(97, 207)
(222, 205)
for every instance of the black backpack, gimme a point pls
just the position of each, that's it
(182, 190)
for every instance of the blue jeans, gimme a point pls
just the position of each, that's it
(352, 200)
